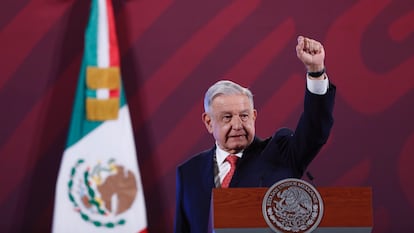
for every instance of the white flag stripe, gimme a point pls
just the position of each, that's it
(103, 35)
(102, 93)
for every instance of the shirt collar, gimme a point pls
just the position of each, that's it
(221, 154)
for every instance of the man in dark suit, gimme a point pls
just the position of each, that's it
(230, 117)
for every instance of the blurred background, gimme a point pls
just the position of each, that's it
(171, 52)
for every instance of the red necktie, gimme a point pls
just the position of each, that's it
(232, 159)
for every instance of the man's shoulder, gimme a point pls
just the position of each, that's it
(280, 136)
(283, 132)
(199, 158)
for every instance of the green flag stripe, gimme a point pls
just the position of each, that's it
(79, 126)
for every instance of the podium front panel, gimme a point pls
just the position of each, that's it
(347, 209)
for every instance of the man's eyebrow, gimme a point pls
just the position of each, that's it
(224, 112)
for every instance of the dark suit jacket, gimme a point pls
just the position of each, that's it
(284, 155)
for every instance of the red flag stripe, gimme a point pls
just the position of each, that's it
(113, 41)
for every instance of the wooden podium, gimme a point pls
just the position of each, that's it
(239, 210)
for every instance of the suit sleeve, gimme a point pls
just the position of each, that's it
(312, 131)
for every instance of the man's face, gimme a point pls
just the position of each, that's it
(231, 121)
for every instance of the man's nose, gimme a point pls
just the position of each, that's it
(236, 123)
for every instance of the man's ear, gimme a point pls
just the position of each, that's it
(254, 114)
(207, 122)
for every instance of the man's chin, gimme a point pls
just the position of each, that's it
(239, 146)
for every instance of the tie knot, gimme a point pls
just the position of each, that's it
(232, 159)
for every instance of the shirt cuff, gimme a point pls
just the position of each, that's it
(319, 87)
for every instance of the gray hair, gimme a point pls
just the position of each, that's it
(225, 87)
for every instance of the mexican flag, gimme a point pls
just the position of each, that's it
(99, 185)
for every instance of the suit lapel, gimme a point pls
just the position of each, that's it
(208, 170)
